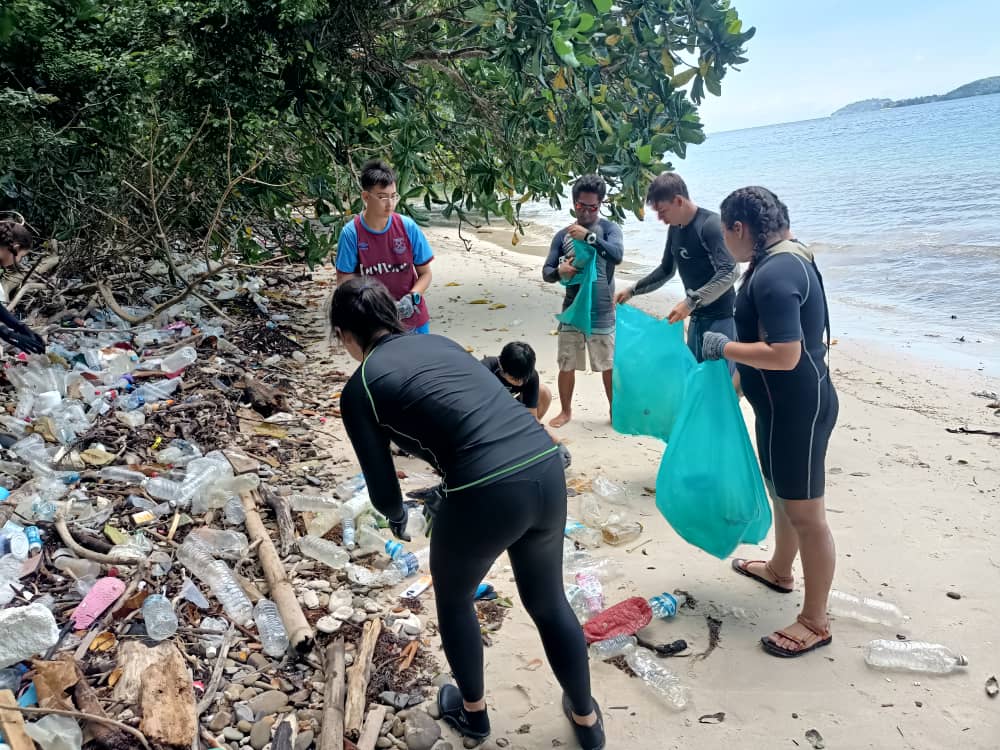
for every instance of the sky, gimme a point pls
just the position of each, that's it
(811, 57)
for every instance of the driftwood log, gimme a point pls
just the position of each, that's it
(332, 735)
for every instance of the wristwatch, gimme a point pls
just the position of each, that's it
(416, 297)
(591, 238)
(693, 300)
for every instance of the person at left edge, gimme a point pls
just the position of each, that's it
(388, 246)
(504, 491)
(15, 242)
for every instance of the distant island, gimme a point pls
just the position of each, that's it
(982, 87)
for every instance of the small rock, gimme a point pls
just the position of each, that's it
(299, 357)
(489, 745)
(232, 733)
(443, 746)
(954, 595)
(220, 721)
(358, 617)
(260, 734)
(243, 711)
(328, 624)
(310, 599)
(370, 606)
(421, 731)
(469, 743)
(502, 742)
(324, 600)
(232, 693)
(918, 704)
(397, 728)
(441, 680)
(244, 726)
(269, 702)
(304, 740)
(299, 697)
(259, 661)
(342, 612)
(383, 743)
(319, 585)
(434, 711)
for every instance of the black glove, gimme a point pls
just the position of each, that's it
(27, 341)
(432, 504)
(712, 344)
(567, 459)
(398, 526)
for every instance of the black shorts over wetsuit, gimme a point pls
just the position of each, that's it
(506, 490)
(783, 301)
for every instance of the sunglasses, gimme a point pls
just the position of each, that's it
(586, 206)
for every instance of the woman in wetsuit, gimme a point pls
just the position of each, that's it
(781, 317)
(505, 490)
(15, 241)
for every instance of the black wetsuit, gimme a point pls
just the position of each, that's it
(506, 490)
(795, 410)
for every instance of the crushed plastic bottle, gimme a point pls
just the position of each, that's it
(270, 628)
(178, 360)
(122, 474)
(865, 609)
(663, 682)
(329, 553)
(159, 616)
(235, 515)
(610, 648)
(198, 560)
(913, 656)
(585, 535)
(664, 605)
(178, 453)
(222, 542)
(610, 491)
(593, 592)
(577, 602)
(300, 502)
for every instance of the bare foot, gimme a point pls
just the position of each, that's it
(560, 419)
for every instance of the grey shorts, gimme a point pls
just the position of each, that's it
(573, 348)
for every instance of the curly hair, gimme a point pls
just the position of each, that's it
(761, 211)
(12, 233)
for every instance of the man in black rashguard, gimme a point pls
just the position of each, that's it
(515, 369)
(696, 250)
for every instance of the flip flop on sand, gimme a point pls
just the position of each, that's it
(592, 737)
(740, 566)
(822, 634)
(453, 712)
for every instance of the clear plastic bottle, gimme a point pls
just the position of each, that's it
(865, 609)
(662, 681)
(122, 474)
(369, 540)
(407, 563)
(178, 453)
(621, 533)
(578, 602)
(159, 616)
(664, 605)
(164, 489)
(234, 513)
(617, 645)
(270, 628)
(416, 524)
(350, 532)
(913, 656)
(222, 542)
(585, 535)
(178, 360)
(197, 558)
(329, 553)
(593, 593)
(300, 502)
(358, 504)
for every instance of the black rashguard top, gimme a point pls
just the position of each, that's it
(698, 252)
(783, 301)
(427, 395)
(526, 393)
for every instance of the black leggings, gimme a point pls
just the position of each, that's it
(524, 514)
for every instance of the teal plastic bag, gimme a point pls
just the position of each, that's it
(709, 487)
(651, 366)
(578, 314)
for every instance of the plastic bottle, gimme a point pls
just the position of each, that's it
(160, 618)
(351, 487)
(664, 605)
(198, 559)
(164, 489)
(234, 513)
(621, 533)
(222, 542)
(178, 453)
(357, 505)
(122, 474)
(350, 533)
(300, 502)
(651, 671)
(270, 628)
(329, 553)
(578, 602)
(913, 656)
(865, 609)
(416, 524)
(369, 540)
(610, 648)
(407, 563)
(592, 591)
(178, 360)
(585, 535)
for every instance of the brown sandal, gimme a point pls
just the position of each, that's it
(823, 634)
(740, 566)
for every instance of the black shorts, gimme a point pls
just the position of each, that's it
(792, 437)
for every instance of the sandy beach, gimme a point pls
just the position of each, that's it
(914, 509)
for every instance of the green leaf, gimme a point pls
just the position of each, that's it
(603, 6)
(585, 24)
(644, 153)
(564, 48)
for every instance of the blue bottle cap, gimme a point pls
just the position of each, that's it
(4, 494)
